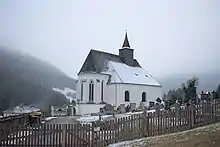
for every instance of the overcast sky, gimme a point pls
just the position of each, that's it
(168, 36)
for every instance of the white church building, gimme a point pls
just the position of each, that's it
(114, 79)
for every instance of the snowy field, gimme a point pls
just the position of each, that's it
(67, 92)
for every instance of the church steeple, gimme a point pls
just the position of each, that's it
(126, 53)
(126, 42)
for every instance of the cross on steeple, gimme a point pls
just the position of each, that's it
(126, 42)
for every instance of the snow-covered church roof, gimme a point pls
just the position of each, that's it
(122, 73)
(123, 68)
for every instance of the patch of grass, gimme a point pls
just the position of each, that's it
(208, 136)
(190, 140)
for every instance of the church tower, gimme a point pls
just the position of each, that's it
(126, 52)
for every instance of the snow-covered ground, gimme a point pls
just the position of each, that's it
(67, 92)
(20, 110)
(174, 136)
(89, 119)
(49, 118)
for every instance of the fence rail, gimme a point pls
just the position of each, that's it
(116, 130)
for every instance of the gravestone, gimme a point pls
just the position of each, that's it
(158, 100)
(102, 110)
(108, 109)
(71, 110)
(177, 110)
(157, 107)
(122, 108)
(52, 110)
(73, 102)
(167, 105)
(151, 104)
(69, 113)
(133, 106)
(128, 108)
(142, 105)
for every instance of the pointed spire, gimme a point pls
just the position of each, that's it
(126, 42)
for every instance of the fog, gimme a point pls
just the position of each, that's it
(168, 37)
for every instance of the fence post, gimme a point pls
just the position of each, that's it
(93, 135)
(147, 123)
(193, 115)
(144, 123)
(211, 111)
(63, 135)
(214, 110)
(177, 111)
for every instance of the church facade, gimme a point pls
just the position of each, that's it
(114, 79)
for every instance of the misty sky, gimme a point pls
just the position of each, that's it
(168, 36)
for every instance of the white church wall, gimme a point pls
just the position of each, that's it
(111, 94)
(83, 109)
(135, 93)
(97, 79)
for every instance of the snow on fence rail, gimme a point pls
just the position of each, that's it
(103, 133)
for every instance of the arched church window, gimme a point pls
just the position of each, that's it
(102, 91)
(127, 99)
(91, 91)
(143, 97)
(81, 91)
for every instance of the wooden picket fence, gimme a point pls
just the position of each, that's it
(12, 124)
(103, 133)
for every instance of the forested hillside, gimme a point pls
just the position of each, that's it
(25, 79)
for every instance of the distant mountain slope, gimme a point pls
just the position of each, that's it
(207, 82)
(25, 79)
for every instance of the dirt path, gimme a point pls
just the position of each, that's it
(207, 136)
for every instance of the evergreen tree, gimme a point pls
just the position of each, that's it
(190, 90)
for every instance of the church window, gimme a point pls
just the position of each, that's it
(102, 91)
(143, 97)
(91, 91)
(127, 96)
(82, 91)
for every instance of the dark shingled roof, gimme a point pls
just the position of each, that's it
(97, 61)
